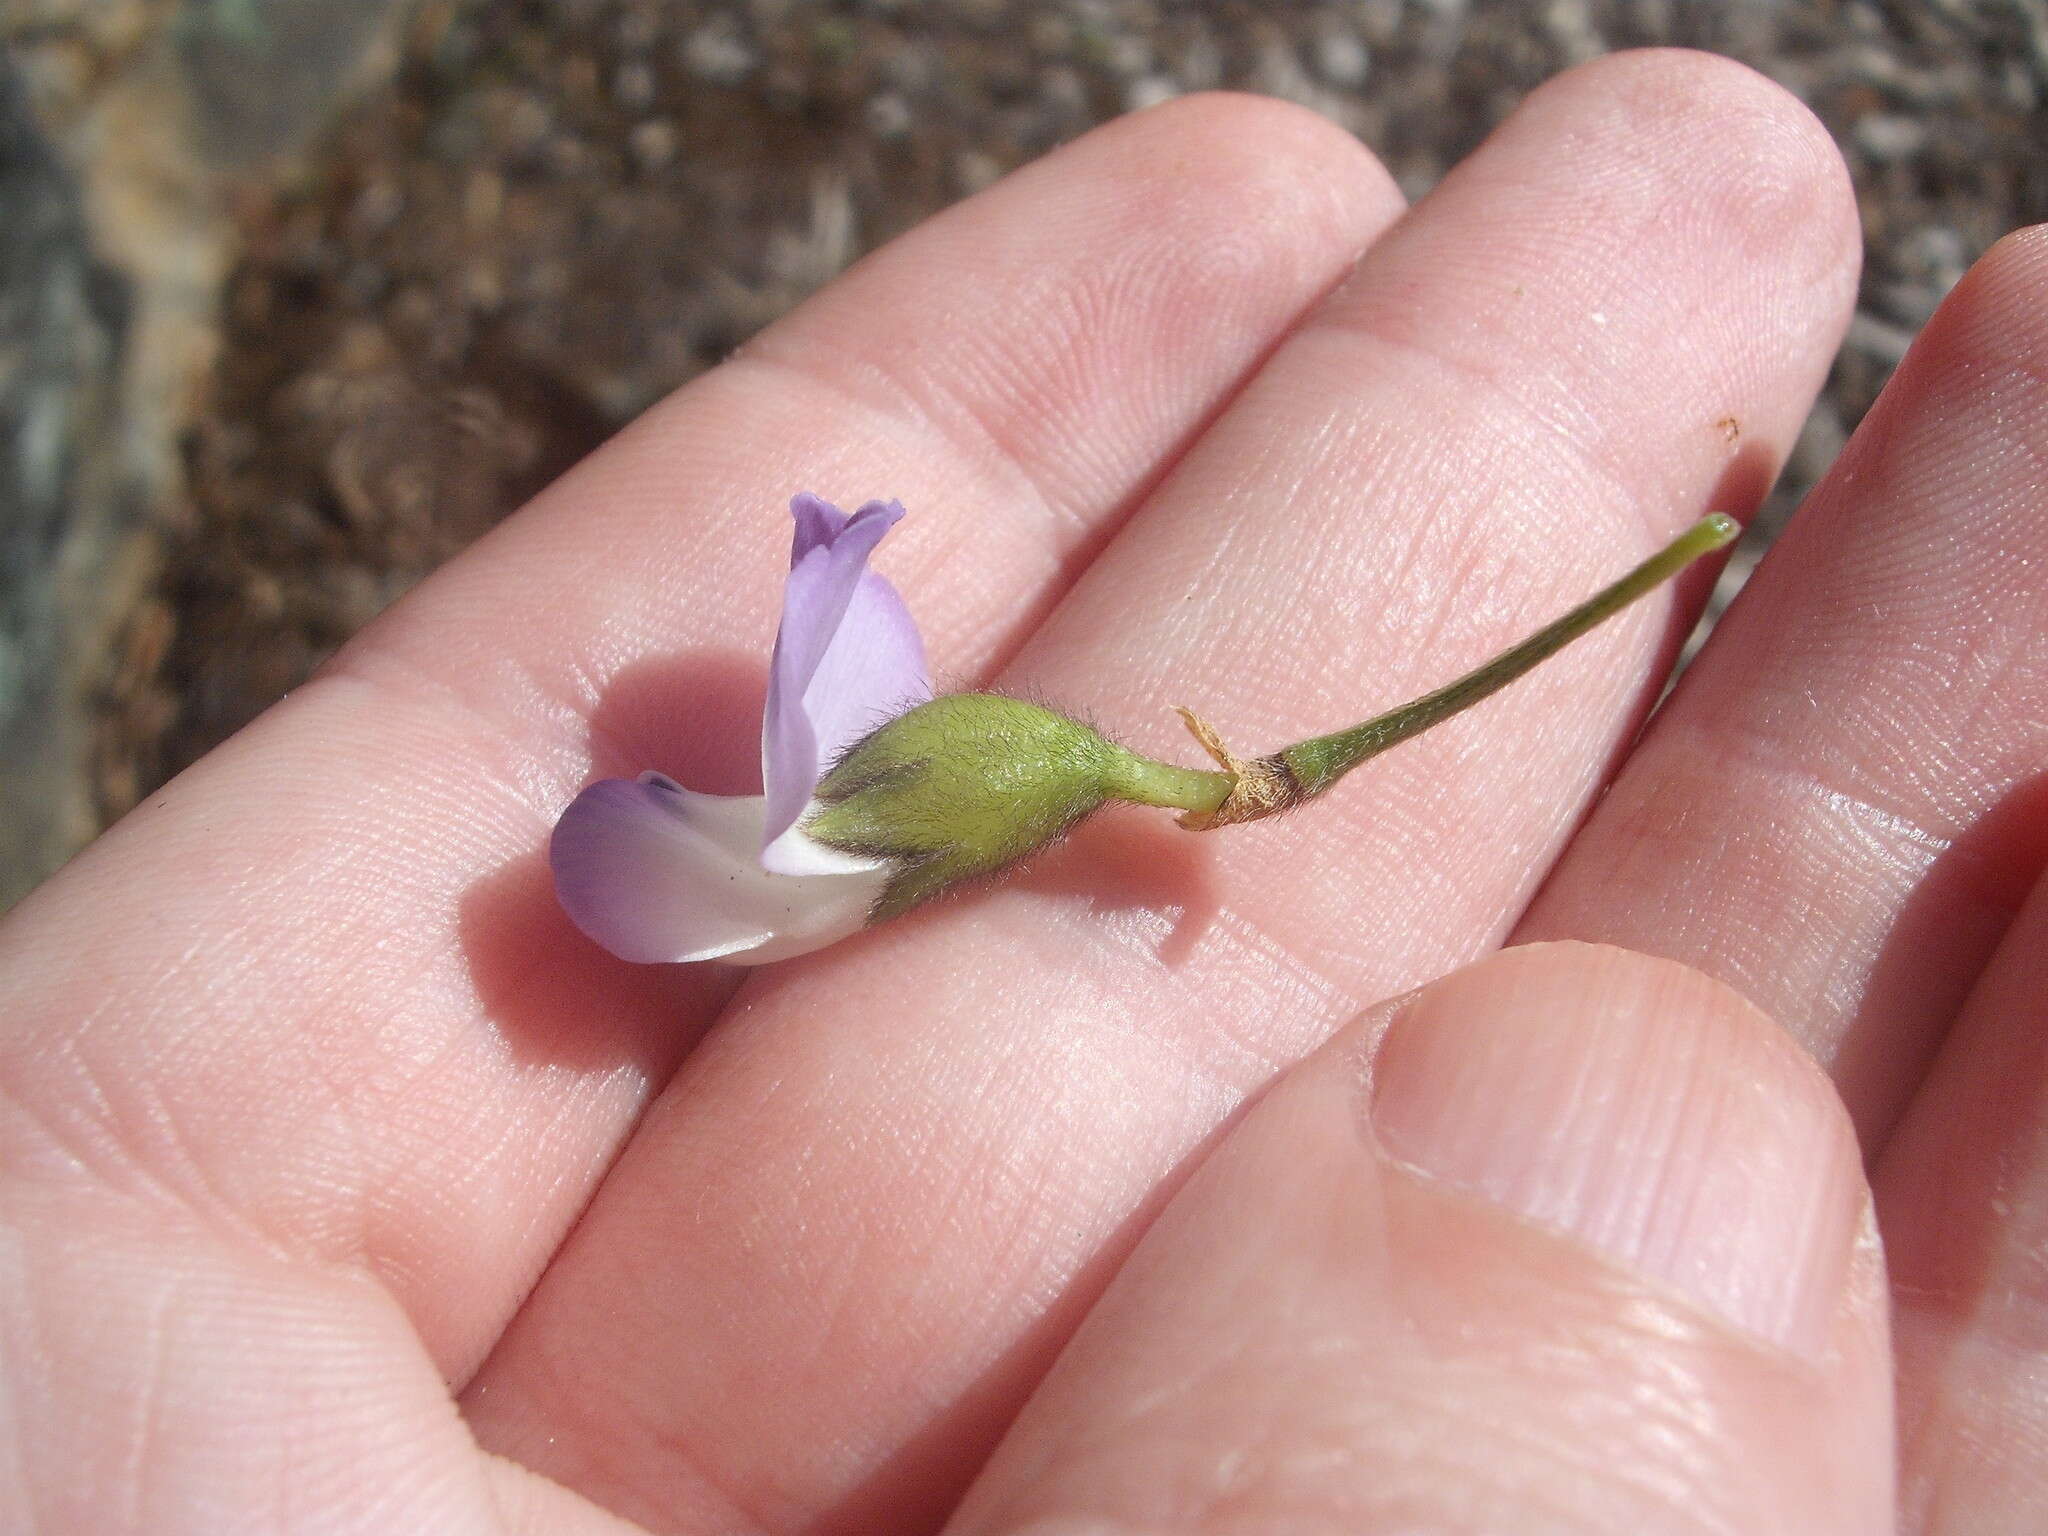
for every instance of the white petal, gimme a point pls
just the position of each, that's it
(655, 872)
(795, 852)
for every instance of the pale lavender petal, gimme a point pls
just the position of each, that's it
(846, 657)
(817, 522)
(873, 670)
(654, 872)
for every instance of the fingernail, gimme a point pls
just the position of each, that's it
(1646, 1110)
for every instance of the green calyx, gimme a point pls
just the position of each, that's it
(968, 784)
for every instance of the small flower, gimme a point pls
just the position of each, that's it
(656, 872)
(878, 797)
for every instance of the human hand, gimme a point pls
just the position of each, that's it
(322, 1123)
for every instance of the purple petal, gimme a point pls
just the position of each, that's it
(847, 656)
(871, 672)
(817, 522)
(654, 872)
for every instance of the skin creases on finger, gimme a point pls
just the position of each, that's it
(905, 1166)
(1841, 807)
(1597, 1258)
(1962, 1196)
(319, 990)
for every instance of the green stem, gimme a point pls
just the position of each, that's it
(1145, 782)
(1319, 762)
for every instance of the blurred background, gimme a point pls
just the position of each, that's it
(299, 296)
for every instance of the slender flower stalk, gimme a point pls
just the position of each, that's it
(1252, 790)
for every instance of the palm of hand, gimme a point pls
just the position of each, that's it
(309, 1083)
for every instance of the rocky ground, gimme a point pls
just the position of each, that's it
(318, 289)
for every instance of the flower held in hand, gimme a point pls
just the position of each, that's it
(653, 871)
(878, 796)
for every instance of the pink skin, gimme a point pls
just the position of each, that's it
(305, 1080)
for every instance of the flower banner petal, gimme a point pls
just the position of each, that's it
(873, 671)
(846, 656)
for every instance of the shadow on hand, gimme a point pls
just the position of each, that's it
(695, 717)
(1956, 1255)
(1962, 908)
(553, 994)
(556, 997)
(1130, 861)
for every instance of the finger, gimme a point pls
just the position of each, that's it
(1962, 1192)
(190, 1389)
(908, 1163)
(319, 989)
(1839, 810)
(1594, 1257)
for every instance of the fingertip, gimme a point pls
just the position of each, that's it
(2025, 248)
(1685, 93)
(1646, 1109)
(1319, 1335)
(1256, 184)
(1760, 169)
(1993, 323)
(1240, 135)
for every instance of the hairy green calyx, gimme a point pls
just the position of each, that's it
(968, 784)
